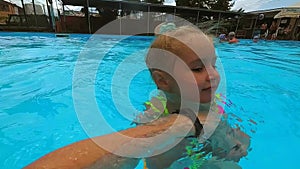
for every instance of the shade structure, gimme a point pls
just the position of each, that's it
(288, 13)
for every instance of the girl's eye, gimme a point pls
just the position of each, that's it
(199, 69)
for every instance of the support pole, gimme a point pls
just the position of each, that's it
(254, 26)
(237, 25)
(24, 12)
(58, 12)
(52, 14)
(174, 14)
(148, 20)
(44, 9)
(219, 18)
(34, 12)
(88, 15)
(64, 18)
(49, 14)
(198, 14)
(120, 19)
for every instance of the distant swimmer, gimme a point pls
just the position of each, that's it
(255, 38)
(232, 38)
(222, 37)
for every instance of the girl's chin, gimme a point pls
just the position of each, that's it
(204, 97)
(206, 100)
(201, 100)
(207, 97)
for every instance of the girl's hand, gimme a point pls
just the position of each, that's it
(240, 149)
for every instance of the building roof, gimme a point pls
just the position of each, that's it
(288, 13)
(284, 12)
(265, 11)
(2, 1)
(142, 6)
(292, 7)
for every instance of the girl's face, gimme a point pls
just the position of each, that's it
(198, 72)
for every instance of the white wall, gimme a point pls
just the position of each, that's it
(38, 9)
(16, 11)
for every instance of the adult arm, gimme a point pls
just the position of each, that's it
(88, 154)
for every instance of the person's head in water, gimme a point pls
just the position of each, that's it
(222, 37)
(231, 35)
(182, 64)
(232, 38)
(255, 38)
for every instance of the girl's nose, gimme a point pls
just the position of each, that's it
(211, 73)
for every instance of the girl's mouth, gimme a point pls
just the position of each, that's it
(209, 88)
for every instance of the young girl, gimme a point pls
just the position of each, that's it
(182, 64)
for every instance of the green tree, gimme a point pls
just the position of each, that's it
(224, 5)
(191, 3)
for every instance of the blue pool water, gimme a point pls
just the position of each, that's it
(37, 112)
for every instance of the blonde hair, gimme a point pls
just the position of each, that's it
(171, 41)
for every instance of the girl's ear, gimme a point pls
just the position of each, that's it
(162, 80)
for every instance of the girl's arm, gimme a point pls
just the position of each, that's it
(88, 154)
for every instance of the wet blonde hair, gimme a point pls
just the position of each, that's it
(171, 41)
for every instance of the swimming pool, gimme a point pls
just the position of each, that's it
(37, 113)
